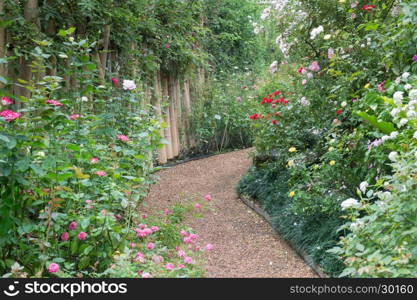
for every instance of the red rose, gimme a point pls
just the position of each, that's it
(339, 111)
(368, 7)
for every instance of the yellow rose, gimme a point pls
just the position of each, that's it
(332, 163)
(292, 149)
(367, 85)
(290, 163)
(292, 194)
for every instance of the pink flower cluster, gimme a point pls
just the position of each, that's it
(10, 115)
(143, 231)
(54, 103)
(122, 137)
(6, 101)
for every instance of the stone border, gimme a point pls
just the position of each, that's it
(260, 211)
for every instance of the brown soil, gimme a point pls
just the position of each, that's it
(245, 244)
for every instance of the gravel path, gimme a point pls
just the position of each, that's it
(245, 244)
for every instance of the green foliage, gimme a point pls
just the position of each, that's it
(351, 110)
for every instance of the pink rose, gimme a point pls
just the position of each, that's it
(209, 247)
(82, 236)
(73, 225)
(101, 173)
(169, 266)
(197, 205)
(53, 268)
(54, 103)
(94, 160)
(65, 236)
(74, 117)
(150, 246)
(122, 138)
(6, 101)
(188, 260)
(10, 115)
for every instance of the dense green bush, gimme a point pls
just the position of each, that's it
(334, 118)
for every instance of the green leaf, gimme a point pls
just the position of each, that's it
(38, 170)
(384, 127)
(23, 164)
(84, 262)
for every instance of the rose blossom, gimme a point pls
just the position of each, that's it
(82, 236)
(73, 225)
(65, 236)
(94, 160)
(53, 268)
(54, 102)
(129, 85)
(101, 173)
(10, 115)
(74, 117)
(122, 138)
(6, 101)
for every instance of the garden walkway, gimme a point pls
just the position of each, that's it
(245, 245)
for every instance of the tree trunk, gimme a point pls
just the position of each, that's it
(187, 113)
(104, 53)
(173, 116)
(157, 96)
(31, 14)
(3, 69)
(168, 136)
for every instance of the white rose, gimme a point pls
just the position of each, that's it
(393, 134)
(413, 94)
(393, 156)
(394, 112)
(349, 203)
(403, 121)
(363, 186)
(411, 114)
(327, 36)
(398, 97)
(405, 75)
(408, 86)
(129, 85)
(344, 104)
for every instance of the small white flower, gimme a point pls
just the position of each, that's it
(385, 196)
(415, 136)
(344, 103)
(394, 112)
(310, 75)
(327, 37)
(385, 138)
(356, 225)
(62, 55)
(407, 86)
(393, 134)
(393, 156)
(403, 121)
(273, 67)
(304, 102)
(316, 31)
(398, 80)
(349, 203)
(405, 75)
(413, 94)
(71, 39)
(129, 85)
(84, 99)
(398, 97)
(411, 114)
(363, 186)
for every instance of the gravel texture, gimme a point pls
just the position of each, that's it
(245, 244)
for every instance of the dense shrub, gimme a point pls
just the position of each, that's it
(338, 108)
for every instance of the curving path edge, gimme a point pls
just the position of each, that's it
(245, 244)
